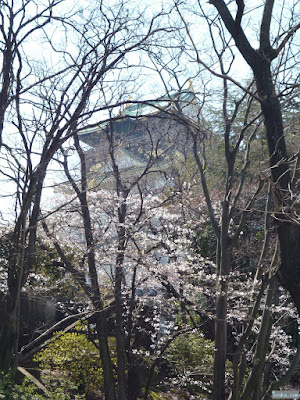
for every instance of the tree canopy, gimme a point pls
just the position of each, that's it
(150, 185)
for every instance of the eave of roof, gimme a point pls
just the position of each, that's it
(136, 110)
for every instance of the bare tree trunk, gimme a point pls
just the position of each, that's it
(120, 339)
(288, 232)
(253, 385)
(9, 335)
(221, 312)
(120, 334)
(101, 319)
(9, 332)
(109, 383)
(220, 340)
(260, 62)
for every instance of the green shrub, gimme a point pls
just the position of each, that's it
(191, 358)
(205, 242)
(29, 391)
(6, 385)
(72, 360)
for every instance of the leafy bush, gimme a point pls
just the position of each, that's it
(205, 242)
(29, 391)
(74, 359)
(6, 386)
(191, 358)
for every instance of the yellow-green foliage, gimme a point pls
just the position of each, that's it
(192, 351)
(29, 391)
(191, 358)
(155, 396)
(73, 356)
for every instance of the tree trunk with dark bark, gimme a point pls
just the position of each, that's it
(260, 63)
(10, 324)
(109, 383)
(9, 335)
(101, 320)
(288, 232)
(119, 306)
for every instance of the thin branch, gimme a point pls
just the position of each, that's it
(201, 62)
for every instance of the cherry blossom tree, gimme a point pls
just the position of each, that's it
(224, 28)
(51, 99)
(160, 253)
